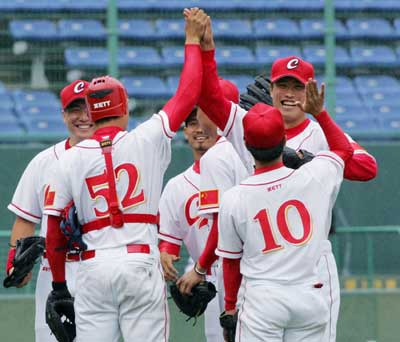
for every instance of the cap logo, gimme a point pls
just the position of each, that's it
(293, 63)
(79, 87)
(102, 104)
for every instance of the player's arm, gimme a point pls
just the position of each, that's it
(361, 166)
(188, 92)
(169, 253)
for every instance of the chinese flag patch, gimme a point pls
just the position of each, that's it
(209, 198)
(49, 197)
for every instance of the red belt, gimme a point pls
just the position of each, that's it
(128, 218)
(134, 248)
(69, 257)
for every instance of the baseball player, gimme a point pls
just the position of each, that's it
(179, 217)
(272, 225)
(29, 198)
(115, 181)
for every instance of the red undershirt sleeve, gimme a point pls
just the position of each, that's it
(212, 100)
(361, 166)
(56, 248)
(337, 141)
(232, 280)
(208, 256)
(189, 88)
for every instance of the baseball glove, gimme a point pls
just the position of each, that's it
(293, 160)
(228, 324)
(60, 314)
(259, 91)
(194, 305)
(27, 251)
(71, 228)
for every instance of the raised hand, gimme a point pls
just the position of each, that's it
(207, 43)
(196, 20)
(314, 101)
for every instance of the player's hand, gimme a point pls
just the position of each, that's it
(187, 281)
(207, 43)
(196, 20)
(314, 102)
(24, 281)
(167, 261)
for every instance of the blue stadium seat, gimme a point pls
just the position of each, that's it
(268, 54)
(32, 6)
(300, 5)
(172, 56)
(365, 28)
(26, 98)
(137, 29)
(316, 55)
(366, 5)
(134, 5)
(145, 87)
(315, 28)
(351, 110)
(348, 99)
(84, 6)
(391, 123)
(380, 97)
(7, 115)
(10, 128)
(276, 28)
(366, 83)
(33, 29)
(74, 29)
(3, 89)
(45, 125)
(238, 56)
(386, 110)
(172, 84)
(241, 81)
(343, 84)
(90, 58)
(170, 28)
(232, 28)
(6, 102)
(39, 111)
(396, 25)
(358, 123)
(373, 56)
(138, 57)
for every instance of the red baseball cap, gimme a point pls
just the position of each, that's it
(263, 126)
(74, 91)
(229, 90)
(292, 66)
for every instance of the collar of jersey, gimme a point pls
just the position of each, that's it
(268, 168)
(196, 166)
(108, 132)
(292, 132)
(67, 144)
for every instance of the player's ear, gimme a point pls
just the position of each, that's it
(64, 114)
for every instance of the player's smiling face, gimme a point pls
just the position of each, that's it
(198, 139)
(77, 121)
(285, 93)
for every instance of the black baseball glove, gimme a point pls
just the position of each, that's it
(228, 324)
(259, 91)
(60, 314)
(196, 304)
(293, 159)
(27, 252)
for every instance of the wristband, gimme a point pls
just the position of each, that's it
(196, 269)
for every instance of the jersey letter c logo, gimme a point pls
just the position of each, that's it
(293, 63)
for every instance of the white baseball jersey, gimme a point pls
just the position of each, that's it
(221, 169)
(275, 222)
(179, 220)
(140, 158)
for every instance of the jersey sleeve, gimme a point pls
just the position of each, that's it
(26, 200)
(59, 193)
(234, 133)
(170, 228)
(230, 244)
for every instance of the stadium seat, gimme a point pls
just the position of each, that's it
(39, 111)
(170, 28)
(345, 85)
(31, 98)
(350, 111)
(357, 123)
(172, 84)
(132, 5)
(315, 28)
(391, 123)
(3, 89)
(33, 29)
(6, 102)
(348, 6)
(173, 56)
(386, 110)
(137, 29)
(90, 58)
(145, 87)
(84, 6)
(276, 28)
(73, 29)
(396, 25)
(300, 5)
(241, 81)
(7, 115)
(234, 56)
(380, 97)
(32, 6)
(139, 57)
(317, 56)
(366, 83)
(45, 125)
(365, 28)
(373, 56)
(348, 99)
(232, 28)
(268, 54)
(10, 128)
